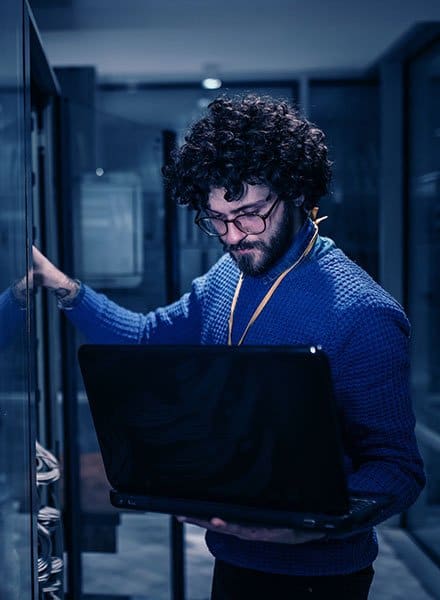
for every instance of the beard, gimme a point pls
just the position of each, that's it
(268, 252)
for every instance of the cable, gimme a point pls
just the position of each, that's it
(44, 554)
(48, 468)
(50, 568)
(49, 517)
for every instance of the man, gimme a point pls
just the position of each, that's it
(254, 171)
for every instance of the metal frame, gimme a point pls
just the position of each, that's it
(172, 293)
(195, 85)
(30, 305)
(72, 499)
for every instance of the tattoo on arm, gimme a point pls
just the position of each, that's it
(62, 292)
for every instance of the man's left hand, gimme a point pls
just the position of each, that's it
(255, 532)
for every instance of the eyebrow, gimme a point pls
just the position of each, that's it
(242, 208)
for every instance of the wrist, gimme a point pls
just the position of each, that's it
(55, 280)
(66, 291)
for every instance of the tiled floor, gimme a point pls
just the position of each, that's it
(140, 569)
(392, 580)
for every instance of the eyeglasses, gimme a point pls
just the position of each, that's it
(249, 223)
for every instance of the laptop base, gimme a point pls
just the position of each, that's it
(361, 510)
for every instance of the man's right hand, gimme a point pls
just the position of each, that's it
(46, 274)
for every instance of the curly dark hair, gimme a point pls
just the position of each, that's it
(250, 139)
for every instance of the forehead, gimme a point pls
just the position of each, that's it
(252, 194)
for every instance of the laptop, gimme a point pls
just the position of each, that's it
(247, 434)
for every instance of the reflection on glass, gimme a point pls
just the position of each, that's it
(118, 233)
(111, 217)
(12, 312)
(15, 519)
(424, 284)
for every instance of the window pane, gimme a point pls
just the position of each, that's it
(348, 113)
(424, 283)
(119, 251)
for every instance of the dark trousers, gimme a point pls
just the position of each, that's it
(236, 583)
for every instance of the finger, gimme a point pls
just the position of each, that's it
(217, 522)
(231, 528)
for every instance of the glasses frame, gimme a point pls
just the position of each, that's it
(263, 217)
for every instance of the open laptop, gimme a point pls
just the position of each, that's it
(245, 433)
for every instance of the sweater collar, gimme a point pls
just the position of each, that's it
(297, 247)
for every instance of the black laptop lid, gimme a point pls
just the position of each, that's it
(241, 425)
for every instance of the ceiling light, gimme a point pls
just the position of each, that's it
(211, 83)
(211, 77)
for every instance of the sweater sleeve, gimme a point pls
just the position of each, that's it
(102, 321)
(377, 416)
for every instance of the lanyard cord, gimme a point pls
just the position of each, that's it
(267, 297)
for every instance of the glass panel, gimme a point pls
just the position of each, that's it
(16, 552)
(348, 113)
(119, 251)
(424, 283)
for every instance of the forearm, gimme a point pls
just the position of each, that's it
(397, 476)
(102, 321)
(65, 291)
(46, 274)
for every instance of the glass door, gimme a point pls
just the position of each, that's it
(424, 283)
(17, 455)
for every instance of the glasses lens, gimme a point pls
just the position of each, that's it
(212, 226)
(250, 224)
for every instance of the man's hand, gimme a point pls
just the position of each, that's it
(46, 274)
(255, 532)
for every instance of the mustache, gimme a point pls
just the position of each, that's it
(244, 246)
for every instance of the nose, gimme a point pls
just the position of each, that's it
(233, 235)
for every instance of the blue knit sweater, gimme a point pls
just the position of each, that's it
(326, 300)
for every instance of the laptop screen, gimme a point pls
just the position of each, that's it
(241, 425)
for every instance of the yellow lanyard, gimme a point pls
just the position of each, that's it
(267, 297)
